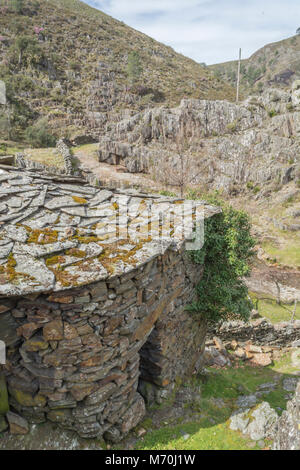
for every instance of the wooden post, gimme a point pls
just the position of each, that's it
(238, 77)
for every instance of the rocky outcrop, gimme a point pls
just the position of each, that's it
(252, 143)
(287, 433)
(258, 423)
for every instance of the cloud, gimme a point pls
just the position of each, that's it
(208, 31)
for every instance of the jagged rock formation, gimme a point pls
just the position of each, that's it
(93, 288)
(287, 434)
(229, 145)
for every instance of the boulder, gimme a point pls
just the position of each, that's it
(17, 424)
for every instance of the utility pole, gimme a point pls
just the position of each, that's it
(238, 77)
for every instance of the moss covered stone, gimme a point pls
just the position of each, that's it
(4, 406)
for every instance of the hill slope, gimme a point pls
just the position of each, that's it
(66, 61)
(276, 64)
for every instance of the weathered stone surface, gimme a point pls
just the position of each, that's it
(260, 333)
(17, 424)
(82, 350)
(262, 424)
(133, 415)
(287, 432)
(258, 423)
(41, 250)
(54, 331)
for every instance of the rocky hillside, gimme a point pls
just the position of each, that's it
(253, 146)
(68, 63)
(276, 64)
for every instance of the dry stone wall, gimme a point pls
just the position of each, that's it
(76, 357)
(260, 332)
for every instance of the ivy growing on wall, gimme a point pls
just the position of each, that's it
(226, 255)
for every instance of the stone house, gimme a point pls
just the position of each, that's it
(93, 287)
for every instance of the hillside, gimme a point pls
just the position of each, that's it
(275, 65)
(67, 62)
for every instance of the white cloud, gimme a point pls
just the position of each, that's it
(208, 30)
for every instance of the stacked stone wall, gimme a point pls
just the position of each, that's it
(77, 357)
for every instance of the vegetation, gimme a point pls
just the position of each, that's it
(52, 68)
(226, 254)
(276, 62)
(205, 425)
(38, 135)
(134, 67)
(269, 308)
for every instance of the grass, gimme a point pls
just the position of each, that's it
(270, 309)
(277, 313)
(48, 156)
(89, 149)
(202, 437)
(206, 421)
(289, 254)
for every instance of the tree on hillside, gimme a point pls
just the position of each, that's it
(18, 5)
(134, 67)
(226, 255)
(298, 31)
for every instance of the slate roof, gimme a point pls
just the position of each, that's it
(58, 232)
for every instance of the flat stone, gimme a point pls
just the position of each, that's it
(18, 234)
(133, 415)
(290, 384)
(54, 331)
(17, 424)
(39, 251)
(246, 401)
(262, 423)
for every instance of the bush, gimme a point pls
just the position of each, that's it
(17, 5)
(226, 254)
(38, 135)
(134, 68)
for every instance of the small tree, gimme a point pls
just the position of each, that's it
(18, 5)
(226, 254)
(180, 170)
(134, 67)
(38, 135)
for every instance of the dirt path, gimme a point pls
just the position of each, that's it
(114, 175)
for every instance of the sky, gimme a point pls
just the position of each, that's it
(209, 31)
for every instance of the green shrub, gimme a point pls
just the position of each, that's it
(226, 254)
(17, 5)
(272, 113)
(134, 67)
(38, 135)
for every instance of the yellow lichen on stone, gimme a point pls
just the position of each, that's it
(79, 200)
(55, 260)
(42, 236)
(75, 252)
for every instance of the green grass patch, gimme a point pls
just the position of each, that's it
(203, 436)
(89, 149)
(274, 312)
(289, 254)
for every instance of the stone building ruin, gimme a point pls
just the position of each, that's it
(92, 312)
